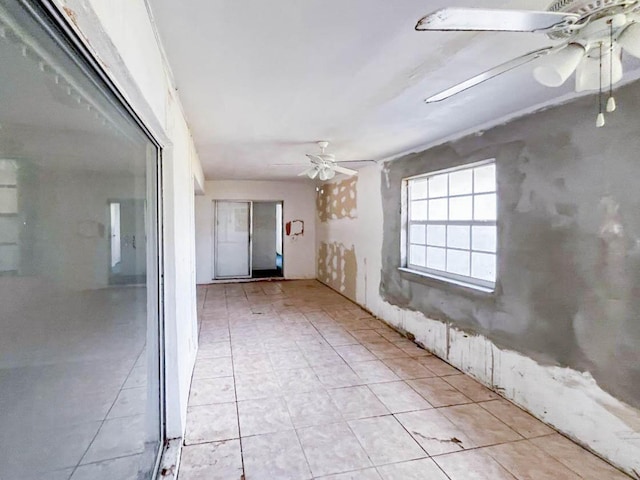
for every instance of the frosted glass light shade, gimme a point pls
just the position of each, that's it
(559, 66)
(588, 73)
(629, 40)
(327, 174)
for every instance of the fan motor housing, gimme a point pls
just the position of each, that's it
(589, 10)
(586, 8)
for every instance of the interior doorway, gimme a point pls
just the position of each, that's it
(248, 239)
(267, 240)
(128, 255)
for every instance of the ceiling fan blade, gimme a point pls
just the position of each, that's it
(314, 158)
(356, 161)
(306, 172)
(477, 19)
(346, 171)
(492, 73)
(287, 164)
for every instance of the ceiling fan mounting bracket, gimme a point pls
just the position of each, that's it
(588, 11)
(587, 7)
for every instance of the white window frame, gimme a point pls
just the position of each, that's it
(463, 280)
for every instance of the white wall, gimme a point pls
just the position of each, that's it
(80, 197)
(298, 204)
(264, 236)
(586, 413)
(121, 35)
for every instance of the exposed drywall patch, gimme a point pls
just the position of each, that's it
(337, 200)
(337, 267)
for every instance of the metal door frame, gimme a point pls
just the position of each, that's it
(48, 15)
(215, 240)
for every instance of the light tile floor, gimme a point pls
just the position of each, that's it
(73, 387)
(293, 381)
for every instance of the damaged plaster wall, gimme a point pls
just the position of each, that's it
(568, 233)
(336, 207)
(337, 267)
(337, 200)
(568, 288)
(569, 400)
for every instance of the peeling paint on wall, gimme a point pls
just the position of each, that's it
(337, 200)
(568, 400)
(337, 267)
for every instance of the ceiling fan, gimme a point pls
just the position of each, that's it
(592, 35)
(324, 165)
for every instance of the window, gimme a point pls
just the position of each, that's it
(451, 224)
(81, 325)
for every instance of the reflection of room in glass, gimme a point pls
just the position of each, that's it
(114, 210)
(9, 218)
(79, 373)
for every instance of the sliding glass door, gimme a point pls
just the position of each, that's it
(80, 324)
(232, 238)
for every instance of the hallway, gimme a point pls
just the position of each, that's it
(293, 381)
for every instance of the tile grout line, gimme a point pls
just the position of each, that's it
(373, 465)
(105, 417)
(472, 402)
(235, 390)
(295, 429)
(346, 421)
(338, 320)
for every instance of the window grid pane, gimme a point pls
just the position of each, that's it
(419, 189)
(454, 231)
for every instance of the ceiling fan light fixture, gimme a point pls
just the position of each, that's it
(588, 72)
(326, 173)
(312, 173)
(629, 40)
(559, 66)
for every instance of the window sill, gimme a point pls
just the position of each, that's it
(431, 279)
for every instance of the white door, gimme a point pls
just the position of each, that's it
(128, 241)
(232, 256)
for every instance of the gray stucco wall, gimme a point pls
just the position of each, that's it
(568, 288)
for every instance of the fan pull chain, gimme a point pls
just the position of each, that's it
(611, 102)
(600, 117)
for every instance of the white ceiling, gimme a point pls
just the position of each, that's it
(262, 81)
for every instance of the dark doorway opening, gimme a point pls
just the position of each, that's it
(267, 258)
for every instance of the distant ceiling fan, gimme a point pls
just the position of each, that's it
(324, 165)
(593, 34)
